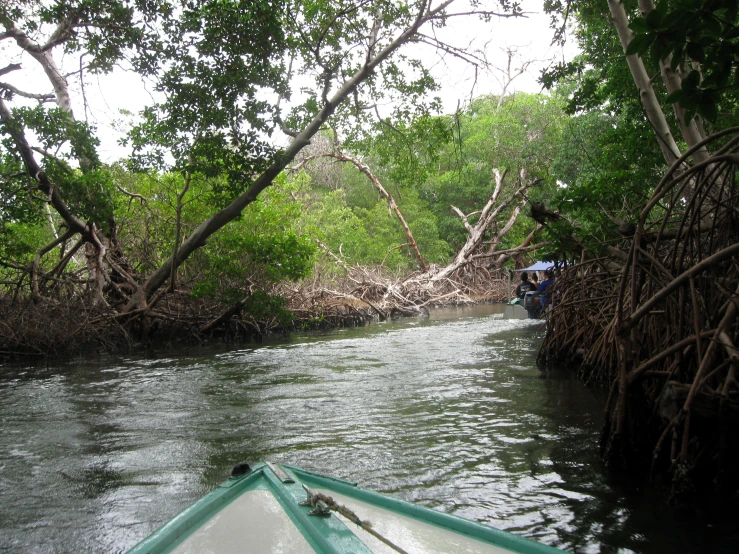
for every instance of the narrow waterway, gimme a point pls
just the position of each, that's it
(450, 412)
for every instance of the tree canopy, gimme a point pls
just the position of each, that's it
(231, 79)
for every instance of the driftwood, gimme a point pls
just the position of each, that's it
(384, 296)
(481, 231)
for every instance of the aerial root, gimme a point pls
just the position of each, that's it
(657, 322)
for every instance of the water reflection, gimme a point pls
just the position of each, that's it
(449, 411)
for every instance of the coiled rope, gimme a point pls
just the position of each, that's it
(351, 516)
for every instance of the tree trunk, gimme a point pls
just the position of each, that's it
(301, 139)
(364, 168)
(690, 131)
(654, 112)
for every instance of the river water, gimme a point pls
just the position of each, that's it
(450, 412)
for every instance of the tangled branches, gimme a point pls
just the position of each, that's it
(385, 297)
(658, 323)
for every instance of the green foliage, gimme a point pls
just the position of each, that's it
(254, 252)
(54, 128)
(104, 30)
(220, 65)
(146, 224)
(332, 221)
(22, 240)
(605, 172)
(87, 190)
(264, 307)
(101, 33)
(236, 261)
(599, 78)
(609, 161)
(408, 153)
(522, 132)
(699, 39)
(19, 243)
(15, 202)
(221, 55)
(386, 235)
(368, 234)
(429, 164)
(686, 31)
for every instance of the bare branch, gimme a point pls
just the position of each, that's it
(510, 252)
(11, 88)
(277, 117)
(47, 154)
(10, 67)
(132, 194)
(44, 58)
(460, 53)
(374, 32)
(364, 168)
(465, 222)
(487, 14)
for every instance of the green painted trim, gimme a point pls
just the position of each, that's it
(324, 538)
(327, 535)
(173, 533)
(478, 531)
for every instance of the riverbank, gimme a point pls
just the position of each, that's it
(39, 329)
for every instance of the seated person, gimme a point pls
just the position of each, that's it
(545, 284)
(524, 286)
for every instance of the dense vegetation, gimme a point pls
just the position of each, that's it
(651, 310)
(170, 222)
(297, 146)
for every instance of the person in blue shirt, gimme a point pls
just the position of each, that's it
(545, 284)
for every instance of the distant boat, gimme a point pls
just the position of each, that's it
(515, 308)
(284, 509)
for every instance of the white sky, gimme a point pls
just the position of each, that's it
(530, 37)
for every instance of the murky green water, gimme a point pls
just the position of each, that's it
(450, 412)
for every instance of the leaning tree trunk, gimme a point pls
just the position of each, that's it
(690, 130)
(488, 217)
(211, 225)
(648, 98)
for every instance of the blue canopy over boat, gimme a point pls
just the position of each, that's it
(538, 266)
